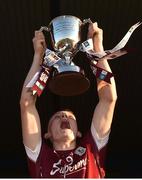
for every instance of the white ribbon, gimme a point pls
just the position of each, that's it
(113, 53)
(125, 39)
(33, 80)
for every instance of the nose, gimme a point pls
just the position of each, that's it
(64, 115)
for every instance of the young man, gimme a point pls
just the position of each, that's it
(67, 158)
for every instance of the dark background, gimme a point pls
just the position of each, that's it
(18, 21)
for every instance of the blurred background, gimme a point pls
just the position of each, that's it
(18, 21)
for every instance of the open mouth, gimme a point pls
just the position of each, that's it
(65, 125)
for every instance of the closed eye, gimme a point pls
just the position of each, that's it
(71, 117)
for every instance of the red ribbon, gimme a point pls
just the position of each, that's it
(101, 73)
(40, 83)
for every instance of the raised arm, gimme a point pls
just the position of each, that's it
(31, 128)
(103, 113)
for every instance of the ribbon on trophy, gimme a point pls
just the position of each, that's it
(39, 80)
(117, 51)
(100, 73)
(53, 59)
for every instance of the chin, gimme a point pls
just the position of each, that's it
(68, 133)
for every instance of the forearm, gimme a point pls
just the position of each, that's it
(39, 45)
(106, 91)
(103, 114)
(26, 95)
(31, 129)
(37, 60)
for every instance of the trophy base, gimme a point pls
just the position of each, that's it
(69, 84)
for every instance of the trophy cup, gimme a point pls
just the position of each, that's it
(66, 79)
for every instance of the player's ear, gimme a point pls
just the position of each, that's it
(79, 135)
(47, 135)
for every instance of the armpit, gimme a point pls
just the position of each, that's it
(100, 142)
(33, 154)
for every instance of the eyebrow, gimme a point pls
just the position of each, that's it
(70, 115)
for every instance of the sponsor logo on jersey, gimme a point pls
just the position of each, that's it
(68, 167)
(80, 151)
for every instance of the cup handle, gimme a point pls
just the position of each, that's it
(85, 21)
(44, 28)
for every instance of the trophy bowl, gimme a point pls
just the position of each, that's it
(65, 30)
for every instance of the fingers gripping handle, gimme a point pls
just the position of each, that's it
(44, 28)
(85, 21)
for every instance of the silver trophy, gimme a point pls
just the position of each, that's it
(67, 79)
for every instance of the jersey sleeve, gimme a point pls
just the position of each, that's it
(100, 142)
(33, 154)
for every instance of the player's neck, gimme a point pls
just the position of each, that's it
(64, 146)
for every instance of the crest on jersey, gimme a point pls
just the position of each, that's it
(80, 151)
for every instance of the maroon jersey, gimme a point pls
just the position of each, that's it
(85, 161)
